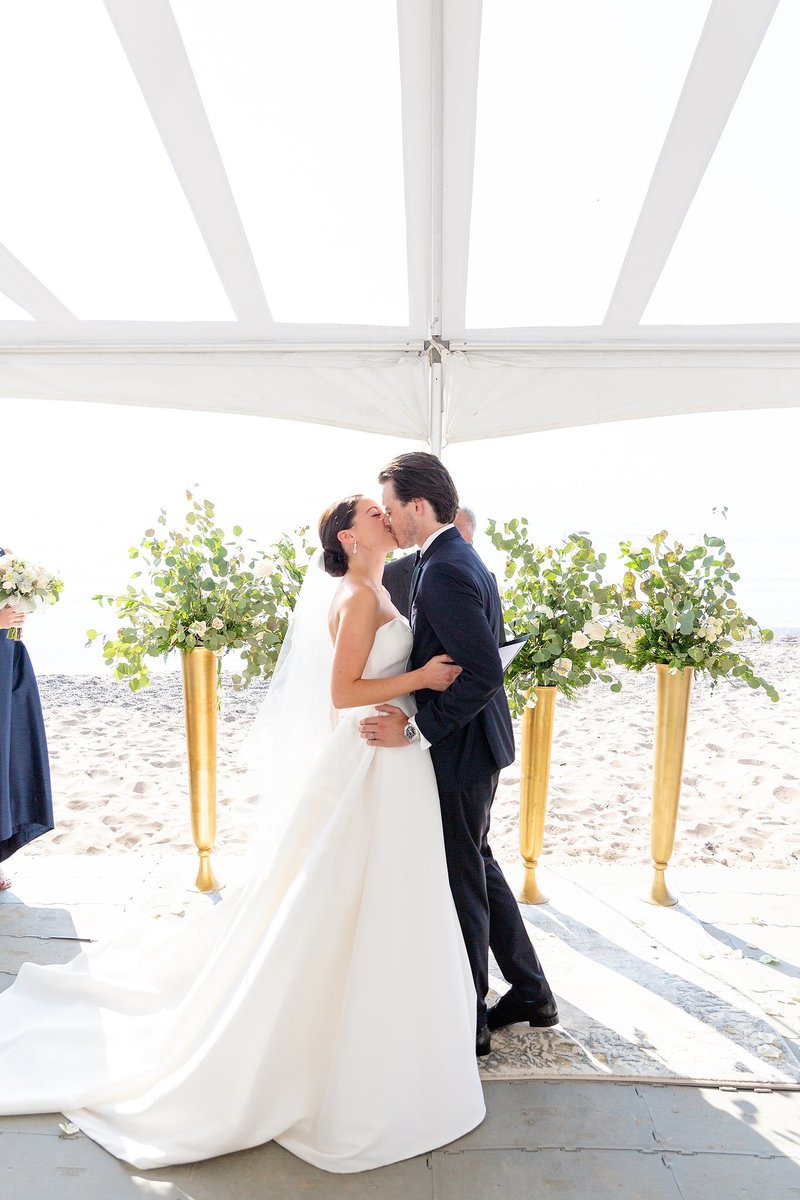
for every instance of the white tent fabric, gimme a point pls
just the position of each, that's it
(429, 218)
(493, 393)
(386, 392)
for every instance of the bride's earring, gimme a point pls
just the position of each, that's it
(355, 547)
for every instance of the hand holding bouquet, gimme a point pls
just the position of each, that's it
(26, 586)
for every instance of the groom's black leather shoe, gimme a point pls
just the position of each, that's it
(512, 1008)
(483, 1041)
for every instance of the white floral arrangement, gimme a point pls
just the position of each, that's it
(26, 586)
(556, 594)
(679, 609)
(204, 591)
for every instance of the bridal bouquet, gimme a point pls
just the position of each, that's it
(201, 589)
(26, 586)
(558, 595)
(679, 609)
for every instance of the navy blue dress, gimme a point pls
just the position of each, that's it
(26, 805)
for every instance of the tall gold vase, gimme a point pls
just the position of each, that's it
(672, 716)
(537, 742)
(200, 707)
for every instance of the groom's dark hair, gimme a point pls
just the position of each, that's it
(420, 476)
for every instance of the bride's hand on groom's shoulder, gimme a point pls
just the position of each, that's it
(438, 673)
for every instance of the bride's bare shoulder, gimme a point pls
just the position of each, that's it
(354, 601)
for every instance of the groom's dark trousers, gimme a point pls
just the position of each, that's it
(455, 609)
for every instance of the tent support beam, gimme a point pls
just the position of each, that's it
(435, 359)
(28, 292)
(729, 43)
(151, 40)
(461, 40)
(437, 403)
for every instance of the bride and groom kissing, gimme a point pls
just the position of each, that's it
(336, 999)
(455, 610)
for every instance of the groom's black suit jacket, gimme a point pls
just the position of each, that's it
(456, 610)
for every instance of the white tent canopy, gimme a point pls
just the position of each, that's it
(429, 218)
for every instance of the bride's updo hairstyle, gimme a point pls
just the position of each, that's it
(336, 518)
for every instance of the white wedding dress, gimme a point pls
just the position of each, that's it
(325, 1003)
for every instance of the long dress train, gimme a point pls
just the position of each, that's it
(326, 1003)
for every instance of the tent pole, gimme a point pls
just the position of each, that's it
(435, 307)
(437, 400)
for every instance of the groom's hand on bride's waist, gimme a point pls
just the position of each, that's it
(386, 729)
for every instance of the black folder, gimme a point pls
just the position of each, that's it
(510, 650)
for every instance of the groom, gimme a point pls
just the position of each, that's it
(455, 609)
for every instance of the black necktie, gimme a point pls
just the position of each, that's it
(412, 591)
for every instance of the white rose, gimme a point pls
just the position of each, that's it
(264, 568)
(562, 667)
(579, 640)
(629, 637)
(544, 610)
(217, 623)
(532, 700)
(595, 610)
(595, 631)
(198, 628)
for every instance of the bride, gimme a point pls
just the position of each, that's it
(327, 1002)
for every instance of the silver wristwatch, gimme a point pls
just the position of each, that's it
(411, 733)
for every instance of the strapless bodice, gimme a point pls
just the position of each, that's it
(390, 650)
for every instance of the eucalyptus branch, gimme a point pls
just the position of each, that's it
(556, 594)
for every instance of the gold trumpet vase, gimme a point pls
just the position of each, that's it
(537, 742)
(200, 707)
(672, 716)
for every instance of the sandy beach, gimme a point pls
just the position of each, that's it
(120, 779)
